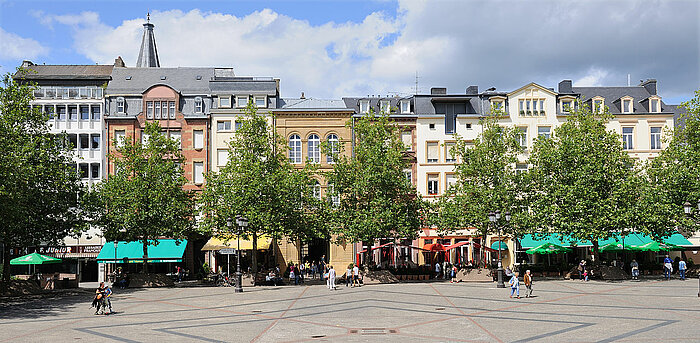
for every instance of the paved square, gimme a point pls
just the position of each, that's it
(562, 311)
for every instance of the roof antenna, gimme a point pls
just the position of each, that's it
(628, 80)
(416, 82)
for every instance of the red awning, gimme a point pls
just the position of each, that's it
(387, 244)
(434, 247)
(457, 245)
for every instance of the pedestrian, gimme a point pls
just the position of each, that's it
(585, 275)
(454, 274)
(297, 274)
(356, 276)
(108, 298)
(635, 269)
(514, 285)
(681, 269)
(348, 275)
(99, 302)
(292, 275)
(331, 278)
(314, 269)
(668, 268)
(302, 270)
(528, 283)
(437, 269)
(446, 270)
(581, 268)
(178, 271)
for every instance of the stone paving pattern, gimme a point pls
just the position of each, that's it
(562, 311)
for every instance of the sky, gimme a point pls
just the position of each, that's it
(331, 49)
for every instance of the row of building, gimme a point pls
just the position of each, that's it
(96, 105)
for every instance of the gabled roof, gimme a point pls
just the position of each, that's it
(66, 72)
(135, 81)
(612, 96)
(244, 85)
(548, 90)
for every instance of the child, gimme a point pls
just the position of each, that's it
(454, 274)
(514, 285)
(585, 275)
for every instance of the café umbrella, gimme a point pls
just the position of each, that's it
(34, 258)
(548, 248)
(655, 246)
(614, 247)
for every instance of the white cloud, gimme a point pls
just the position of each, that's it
(448, 43)
(13, 46)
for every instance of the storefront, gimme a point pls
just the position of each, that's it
(162, 258)
(221, 253)
(78, 261)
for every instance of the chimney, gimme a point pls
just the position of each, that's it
(650, 85)
(438, 91)
(119, 62)
(565, 86)
(302, 96)
(27, 64)
(472, 90)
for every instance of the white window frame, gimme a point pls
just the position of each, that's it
(225, 128)
(198, 176)
(121, 105)
(198, 139)
(627, 138)
(405, 106)
(364, 106)
(654, 101)
(541, 133)
(453, 176)
(120, 137)
(222, 157)
(263, 98)
(428, 158)
(177, 135)
(384, 106)
(313, 144)
(242, 101)
(295, 149)
(627, 100)
(171, 109)
(522, 136)
(655, 138)
(600, 109)
(198, 105)
(316, 190)
(333, 142)
(149, 109)
(436, 180)
(223, 104)
(448, 155)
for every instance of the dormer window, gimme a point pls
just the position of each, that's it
(364, 106)
(121, 105)
(260, 101)
(224, 101)
(598, 104)
(627, 104)
(405, 106)
(654, 105)
(497, 105)
(198, 105)
(384, 106)
(241, 101)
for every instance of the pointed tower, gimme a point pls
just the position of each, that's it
(148, 55)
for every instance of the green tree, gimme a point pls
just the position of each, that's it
(486, 180)
(144, 199)
(39, 186)
(259, 183)
(376, 199)
(675, 174)
(582, 181)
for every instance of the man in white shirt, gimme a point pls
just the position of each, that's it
(356, 276)
(331, 278)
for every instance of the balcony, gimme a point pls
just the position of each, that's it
(68, 93)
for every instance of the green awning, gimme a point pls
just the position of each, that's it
(34, 258)
(631, 239)
(499, 245)
(678, 239)
(167, 250)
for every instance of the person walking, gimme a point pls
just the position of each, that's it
(331, 278)
(356, 276)
(514, 285)
(681, 269)
(314, 269)
(437, 269)
(302, 270)
(581, 269)
(292, 275)
(348, 275)
(668, 268)
(454, 274)
(108, 298)
(635, 269)
(99, 301)
(446, 270)
(528, 283)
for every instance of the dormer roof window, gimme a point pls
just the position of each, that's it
(405, 106)
(364, 106)
(626, 104)
(384, 106)
(654, 104)
(598, 104)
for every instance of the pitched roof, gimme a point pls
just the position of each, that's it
(148, 54)
(138, 80)
(63, 72)
(313, 104)
(246, 85)
(612, 96)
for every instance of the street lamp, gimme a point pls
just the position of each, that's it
(242, 224)
(494, 218)
(116, 244)
(688, 209)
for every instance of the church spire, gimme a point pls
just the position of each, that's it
(148, 55)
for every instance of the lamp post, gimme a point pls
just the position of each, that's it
(688, 209)
(494, 218)
(242, 224)
(116, 245)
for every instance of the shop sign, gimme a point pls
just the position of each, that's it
(227, 251)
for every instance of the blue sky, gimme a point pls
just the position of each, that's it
(344, 48)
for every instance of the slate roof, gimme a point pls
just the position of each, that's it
(394, 102)
(148, 54)
(612, 97)
(425, 103)
(313, 104)
(247, 85)
(182, 79)
(58, 71)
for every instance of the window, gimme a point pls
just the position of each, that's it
(172, 109)
(95, 170)
(49, 110)
(469, 126)
(223, 125)
(221, 157)
(242, 101)
(654, 107)
(542, 107)
(450, 179)
(120, 136)
(534, 106)
(95, 140)
(295, 149)
(73, 113)
(409, 175)
(260, 101)
(597, 105)
(655, 138)
(314, 151)
(384, 106)
(448, 152)
(544, 131)
(224, 101)
(84, 170)
(198, 172)
(433, 184)
(566, 106)
(333, 146)
(497, 105)
(177, 136)
(531, 107)
(84, 142)
(61, 113)
(84, 112)
(405, 106)
(316, 190)
(407, 139)
(96, 112)
(335, 199)
(627, 142)
(431, 126)
(121, 105)
(364, 106)
(149, 110)
(522, 136)
(520, 168)
(198, 136)
(627, 106)
(433, 150)
(157, 106)
(238, 125)
(198, 105)
(144, 137)
(73, 140)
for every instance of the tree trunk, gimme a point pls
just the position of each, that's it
(595, 251)
(145, 256)
(300, 246)
(255, 253)
(6, 263)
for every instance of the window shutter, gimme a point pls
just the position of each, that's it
(198, 139)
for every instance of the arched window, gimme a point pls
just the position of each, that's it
(295, 149)
(314, 149)
(333, 146)
(317, 190)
